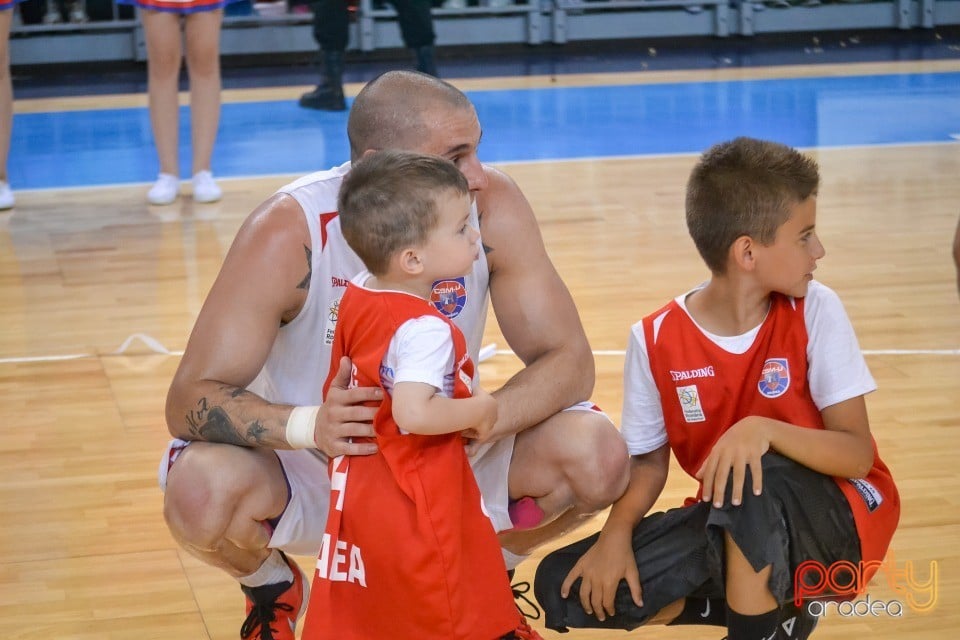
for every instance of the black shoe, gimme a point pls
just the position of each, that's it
(425, 61)
(324, 98)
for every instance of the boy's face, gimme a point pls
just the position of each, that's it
(452, 246)
(787, 265)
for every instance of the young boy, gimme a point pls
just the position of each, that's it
(756, 382)
(409, 551)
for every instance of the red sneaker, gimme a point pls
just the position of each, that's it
(523, 632)
(273, 609)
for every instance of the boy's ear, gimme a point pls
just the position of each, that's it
(409, 261)
(742, 253)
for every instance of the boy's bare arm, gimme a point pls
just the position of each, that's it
(418, 408)
(844, 448)
(611, 559)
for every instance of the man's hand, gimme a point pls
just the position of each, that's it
(740, 447)
(347, 413)
(601, 569)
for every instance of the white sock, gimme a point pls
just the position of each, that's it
(272, 571)
(511, 559)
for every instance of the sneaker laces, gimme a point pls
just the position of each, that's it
(520, 590)
(261, 615)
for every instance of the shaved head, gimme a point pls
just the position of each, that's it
(396, 111)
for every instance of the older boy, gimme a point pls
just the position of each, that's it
(407, 535)
(756, 382)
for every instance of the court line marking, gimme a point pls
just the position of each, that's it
(499, 352)
(284, 178)
(642, 76)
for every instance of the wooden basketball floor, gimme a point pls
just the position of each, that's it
(85, 552)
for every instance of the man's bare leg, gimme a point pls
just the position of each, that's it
(574, 464)
(216, 500)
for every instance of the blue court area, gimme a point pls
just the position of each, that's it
(114, 146)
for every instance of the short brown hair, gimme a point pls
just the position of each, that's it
(397, 110)
(745, 187)
(388, 201)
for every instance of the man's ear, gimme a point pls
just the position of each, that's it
(742, 253)
(409, 262)
(367, 154)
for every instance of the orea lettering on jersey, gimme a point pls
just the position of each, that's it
(339, 560)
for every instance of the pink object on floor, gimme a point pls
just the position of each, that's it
(525, 513)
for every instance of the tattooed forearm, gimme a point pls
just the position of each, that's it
(305, 283)
(219, 428)
(213, 424)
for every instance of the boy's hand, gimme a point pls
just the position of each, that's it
(601, 569)
(487, 410)
(741, 446)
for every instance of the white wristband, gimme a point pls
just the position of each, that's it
(300, 427)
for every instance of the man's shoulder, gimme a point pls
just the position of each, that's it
(325, 183)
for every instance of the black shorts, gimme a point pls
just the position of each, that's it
(800, 515)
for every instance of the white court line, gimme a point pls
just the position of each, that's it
(484, 356)
(866, 352)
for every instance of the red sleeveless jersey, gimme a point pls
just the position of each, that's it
(704, 390)
(408, 552)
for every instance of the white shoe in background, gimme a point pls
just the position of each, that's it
(204, 187)
(6, 196)
(164, 190)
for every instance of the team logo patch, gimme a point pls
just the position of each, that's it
(690, 403)
(774, 377)
(449, 296)
(333, 313)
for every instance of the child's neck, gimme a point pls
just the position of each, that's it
(728, 307)
(412, 286)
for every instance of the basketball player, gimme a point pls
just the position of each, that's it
(756, 383)
(242, 491)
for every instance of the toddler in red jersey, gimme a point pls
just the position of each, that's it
(409, 552)
(756, 383)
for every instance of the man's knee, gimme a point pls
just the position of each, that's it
(208, 486)
(604, 461)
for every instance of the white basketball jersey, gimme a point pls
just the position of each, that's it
(299, 360)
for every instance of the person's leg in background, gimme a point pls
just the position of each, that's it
(162, 32)
(6, 108)
(331, 23)
(203, 67)
(416, 27)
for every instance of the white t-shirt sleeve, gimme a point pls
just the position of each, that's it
(642, 424)
(837, 370)
(422, 351)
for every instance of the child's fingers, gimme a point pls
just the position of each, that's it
(719, 483)
(736, 490)
(756, 470)
(705, 475)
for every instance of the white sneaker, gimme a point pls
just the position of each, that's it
(6, 196)
(204, 188)
(164, 190)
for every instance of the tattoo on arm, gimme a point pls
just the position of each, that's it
(212, 424)
(305, 283)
